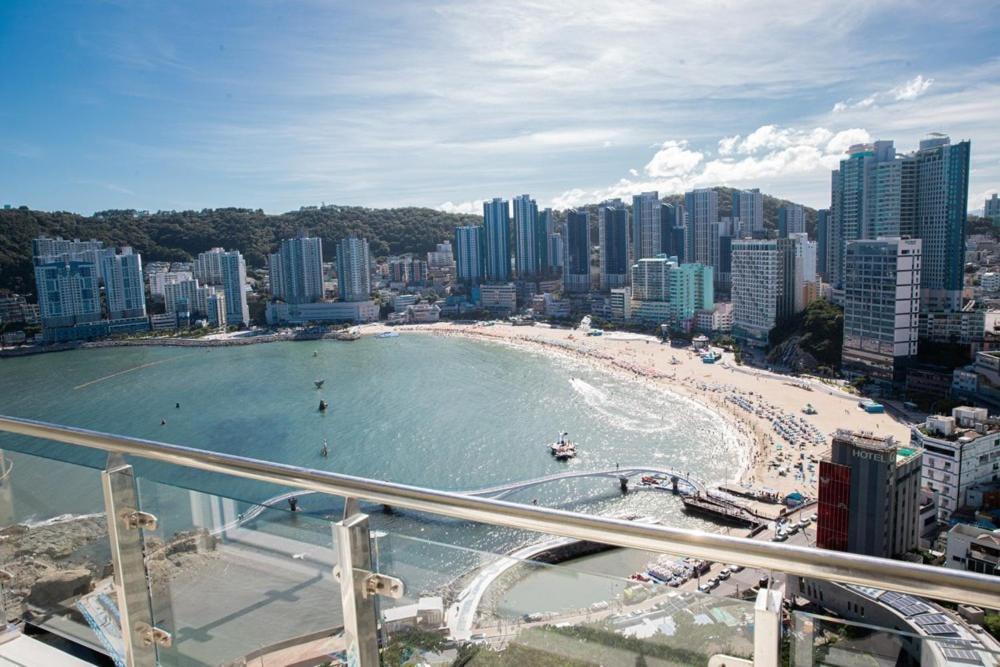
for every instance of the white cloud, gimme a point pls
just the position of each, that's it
(904, 92)
(633, 172)
(769, 152)
(471, 207)
(912, 89)
(672, 160)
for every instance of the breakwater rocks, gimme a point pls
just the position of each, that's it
(170, 341)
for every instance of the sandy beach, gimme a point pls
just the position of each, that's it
(765, 409)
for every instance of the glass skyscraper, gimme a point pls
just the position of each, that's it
(576, 268)
(613, 231)
(496, 224)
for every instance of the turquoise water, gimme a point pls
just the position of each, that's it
(441, 412)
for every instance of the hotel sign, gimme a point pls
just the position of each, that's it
(869, 456)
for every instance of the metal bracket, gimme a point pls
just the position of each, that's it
(133, 519)
(377, 584)
(150, 635)
(728, 661)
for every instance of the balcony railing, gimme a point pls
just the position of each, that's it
(202, 576)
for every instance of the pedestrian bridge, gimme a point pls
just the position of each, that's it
(685, 483)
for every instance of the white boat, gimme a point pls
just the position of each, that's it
(563, 448)
(388, 334)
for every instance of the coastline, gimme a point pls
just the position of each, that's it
(736, 431)
(757, 406)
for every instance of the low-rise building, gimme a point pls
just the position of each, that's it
(973, 549)
(163, 321)
(959, 452)
(498, 298)
(620, 304)
(322, 312)
(423, 313)
(717, 320)
(427, 612)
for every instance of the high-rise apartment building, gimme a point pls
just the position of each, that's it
(852, 194)
(612, 224)
(531, 241)
(665, 292)
(791, 220)
(647, 225)
(442, 257)
(672, 230)
(556, 253)
(188, 300)
(869, 496)
(702, 209)
(158, 280)
(922, 195)
(354, 279)
(942, 195)
(805, 269)
(227, 270)
(552, 261)
(496, 225)
(822, 241)
(748, 206)
(881, 307)
(470, 258)
(297, 270)
(124, 288)
(763, 286)
(991, 209)
(68, 278)
(69, 291)
(576, 267)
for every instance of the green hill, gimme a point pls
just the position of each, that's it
(179, 236)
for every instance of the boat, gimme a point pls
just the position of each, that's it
(323, 406)
(315, 353)
(563, 448)
(319, 383)
(388, 334)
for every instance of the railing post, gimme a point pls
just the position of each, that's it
(767, 628)
(354, 569)
(121, 505)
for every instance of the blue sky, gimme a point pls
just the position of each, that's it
(178, 105)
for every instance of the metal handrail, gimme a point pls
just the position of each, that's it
(933, 582)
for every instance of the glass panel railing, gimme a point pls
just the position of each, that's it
(474, 607)
(235, 581)
(54, 547)
(919, 633)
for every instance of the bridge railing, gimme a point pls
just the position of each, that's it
(187, 580)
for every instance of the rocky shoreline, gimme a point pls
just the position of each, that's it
(182, 342)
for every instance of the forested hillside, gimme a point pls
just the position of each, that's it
(178, 236)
